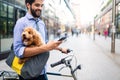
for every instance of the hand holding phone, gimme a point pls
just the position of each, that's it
(62, 38)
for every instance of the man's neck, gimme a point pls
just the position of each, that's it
(33, 16)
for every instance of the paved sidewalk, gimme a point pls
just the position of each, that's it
(105, 45)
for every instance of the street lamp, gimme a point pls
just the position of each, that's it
(113, 26)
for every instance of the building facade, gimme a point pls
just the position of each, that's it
(104, 20)
(10, 11)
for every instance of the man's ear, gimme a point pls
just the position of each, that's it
(28, 6)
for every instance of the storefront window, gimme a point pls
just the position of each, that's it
(3, 10)
(118, 18)
(8, 16)
(6, 20)
(10, 28)
(10, 12)
(3, 28)
(10, 21)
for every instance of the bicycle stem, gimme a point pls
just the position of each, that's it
(71, 69)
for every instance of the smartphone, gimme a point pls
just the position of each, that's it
(62, 38)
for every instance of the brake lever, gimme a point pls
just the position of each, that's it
(69, 50)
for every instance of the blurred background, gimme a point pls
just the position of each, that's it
(92, 28)
(61, 17)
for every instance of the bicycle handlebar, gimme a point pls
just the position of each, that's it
(62, 61)
(58, 63)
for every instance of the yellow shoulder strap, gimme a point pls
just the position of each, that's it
(16, 66)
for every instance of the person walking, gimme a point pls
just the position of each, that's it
(105, 33)
(59, 33)
(34, 8)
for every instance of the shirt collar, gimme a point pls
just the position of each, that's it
(30, 17)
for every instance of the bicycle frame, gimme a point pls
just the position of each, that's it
(68, 64)
(8, 75)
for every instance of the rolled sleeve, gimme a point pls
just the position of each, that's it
(18, 45)
(21, 51)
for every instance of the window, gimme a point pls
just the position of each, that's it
(3, 28)
(6, 20)
(10, 21)
(3, 10)
(10, 27)
(8, 15)
(10, 12)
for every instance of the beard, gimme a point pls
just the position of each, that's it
(35, 13)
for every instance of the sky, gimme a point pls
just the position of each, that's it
(88, 9)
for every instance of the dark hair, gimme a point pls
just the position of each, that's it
(29, 1)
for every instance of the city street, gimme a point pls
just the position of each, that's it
(95, 57)
(92, 28)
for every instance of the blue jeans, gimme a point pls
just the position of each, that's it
(41, 77)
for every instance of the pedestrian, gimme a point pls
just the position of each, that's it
(58, 33)
(105, 33)
(32, 16)
(99, 33)
(73, 31)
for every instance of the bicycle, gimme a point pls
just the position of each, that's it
(67, 62)
(8, 75)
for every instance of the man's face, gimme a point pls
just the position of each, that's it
(35, 8)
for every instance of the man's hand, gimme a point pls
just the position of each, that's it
(64, 50)
(53, 44)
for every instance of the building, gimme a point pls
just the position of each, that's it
(104, 19)
(10, 11)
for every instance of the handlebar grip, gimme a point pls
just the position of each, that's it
(57, 63)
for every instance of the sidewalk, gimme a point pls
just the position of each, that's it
(4, 66)
(105, 45)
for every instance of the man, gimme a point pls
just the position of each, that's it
(34, 8)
